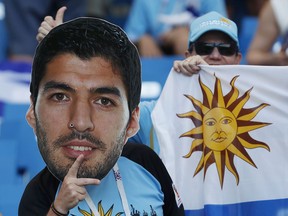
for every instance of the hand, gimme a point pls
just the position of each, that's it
(72, 190)
(189, 66)
(49, 23)
(281, 58)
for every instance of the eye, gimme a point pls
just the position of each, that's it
(59, 97)
(104, 102)
(210, 123)
(226, 121)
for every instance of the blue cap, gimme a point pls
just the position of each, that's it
(212, 21)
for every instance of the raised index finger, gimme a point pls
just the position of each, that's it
(75, 166)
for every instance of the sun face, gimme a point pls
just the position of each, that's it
(222, 127)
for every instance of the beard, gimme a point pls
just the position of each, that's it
(55, 164)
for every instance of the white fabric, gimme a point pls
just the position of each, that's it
(266, 182)
(280, 8)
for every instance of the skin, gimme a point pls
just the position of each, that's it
(49, 23)
(268, 30)
(176, 38)
(92, 96)
(191, 64)
(148, 47)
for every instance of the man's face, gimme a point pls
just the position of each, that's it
(215, 57)
(92, 97)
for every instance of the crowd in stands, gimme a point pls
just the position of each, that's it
(158, 28)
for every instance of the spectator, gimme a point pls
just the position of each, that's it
(23, 19)
(273, 22)
(85, 91)
(115, 11)
(213, 40)
(161, 27)
(238, 10)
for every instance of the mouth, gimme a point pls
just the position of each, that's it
(76, 147)
(219, 140)
(80, 148)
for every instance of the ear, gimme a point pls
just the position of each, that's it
(30, 115)
(238, 58)
(133, 125)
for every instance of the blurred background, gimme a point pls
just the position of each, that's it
(19, 22)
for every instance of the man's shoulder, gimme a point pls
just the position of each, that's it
(43, 183)
(39, 194)
(145, 157)
(135, 150)
(44, 177)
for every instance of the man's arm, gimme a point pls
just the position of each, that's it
(268, 30)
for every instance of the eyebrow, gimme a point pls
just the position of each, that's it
(67, 87)
(57, 85)
(106, 90)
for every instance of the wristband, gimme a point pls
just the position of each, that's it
(57, 212)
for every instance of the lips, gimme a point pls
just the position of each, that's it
(219, 139)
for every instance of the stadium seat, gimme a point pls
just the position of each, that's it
(14, 125)
(9, 198)
(8, 167)
(154, 75)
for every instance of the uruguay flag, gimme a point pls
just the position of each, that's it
(223, 136)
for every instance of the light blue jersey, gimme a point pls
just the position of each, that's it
(106, 196)
(146, 134)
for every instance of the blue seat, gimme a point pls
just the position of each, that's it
(8, 167)
(10, 197)
(154, 75)
(13, 111)
(29, 161)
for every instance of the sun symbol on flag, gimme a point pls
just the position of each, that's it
(222, 127)
(101, 211)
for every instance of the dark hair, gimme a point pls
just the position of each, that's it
(86, 38)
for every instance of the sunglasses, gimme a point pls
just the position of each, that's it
(225, 49)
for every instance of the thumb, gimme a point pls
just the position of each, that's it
(60, 15)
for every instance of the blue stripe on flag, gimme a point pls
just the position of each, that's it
(277, 207)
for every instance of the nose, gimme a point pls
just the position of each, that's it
(215, 54)
(81, 116)
(218, 128)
